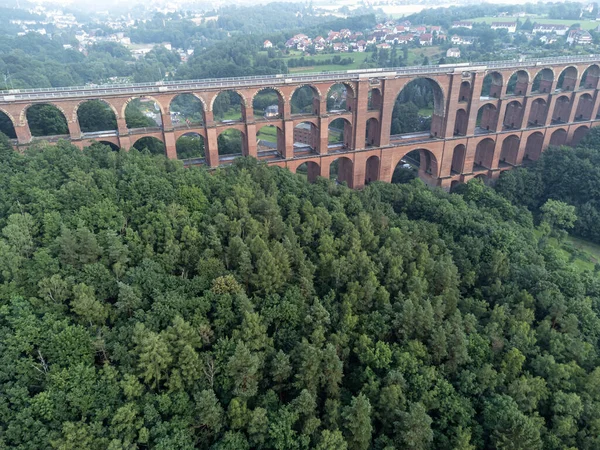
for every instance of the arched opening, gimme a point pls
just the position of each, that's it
(190, 146)
(542, 83)
(375, 100)
(406, 171)
(372, 169)
(585, 107)
(228, 107)
(425, 161)
(340, 170)
(464, 94)
(510, 151)
(267, 104)
(513, 117)
(46, 120)
(310, 169)
(458, 158)
(483, 178)
(533, 146)
(270, 142)
(517, 83)
(143, 113)
(419, 109)
(567, 80)
(230, 144)
(6, 126)
(487, 119)
(150, 144)
(460, 125)
(453, 185)
(95, 115)
(492, 85)
(186, 111)
(340, 98)
(306, 138)
(578, 135)
(484, 154)
(113, 147)
(305, 100)
(589, 79)
(562, 109)
(340, 134)
(558, 137)
(373, 133)
(538, 113)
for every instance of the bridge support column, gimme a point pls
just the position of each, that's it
(521, 151)
(360, 115)
(386, 166)
(573, 101)
(502, 105)
(211, 148)
(596, 105)
(551, 106)
(74, 130)
(474, 103)
(251, 140)
(497, 152)
(526, 111)
(288, 132)
(359, 167)
(170, 144)
(323, 135)
(23, 134)
(452, 105)
(325, 165)
(387, 108)
(123, 131)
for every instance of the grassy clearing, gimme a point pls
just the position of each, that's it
(585, 24)
(267, 133)
(584, 255)
(415, 56)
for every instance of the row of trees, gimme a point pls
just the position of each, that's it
(144, 304)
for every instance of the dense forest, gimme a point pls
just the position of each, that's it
(144, 305)
(565, 174)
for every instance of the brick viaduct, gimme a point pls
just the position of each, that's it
(550, 101)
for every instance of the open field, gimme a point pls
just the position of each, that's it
(585, 24)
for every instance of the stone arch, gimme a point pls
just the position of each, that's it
(585, 107)
(464, 93)
(231, 143)
(23, 114)
(36, 116)
(510, 150)
(114, 147)
(342, 170)
(75, 118)
(562, 109)
(513, 115)
(558, 137)
(492, 85)
(306, 138)
(579, 134)
(487, 117)
(340, 97)
(435, 98)
(590, 77)
(538, 113)
(461, 123)
(130, 99)
(312, 170)
(373, 133)
(454, 184)
(310, 108)
(483, 177)
(153, 144)
(375, 99)
(187, 113)
(231, 103)
(484, 153)
(425, 160)
(110, 122)
(268, 108)
(372, 169)
(341, 138)
(270, 138)
(534, 146)
(458, 159)
(136, 118)
(567, 80)
(7, 124)
(542, 83)
(190, 145)
(517, 83)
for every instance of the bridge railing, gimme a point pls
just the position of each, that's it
(269, 80)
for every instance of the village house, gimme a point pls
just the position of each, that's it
(510, 26)
(559, 30)
(267, 44)
(463, 24)
(361, 46)
(340, 47)
(426, 39)
(453, 53)
(580, 37)
(384, 46)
